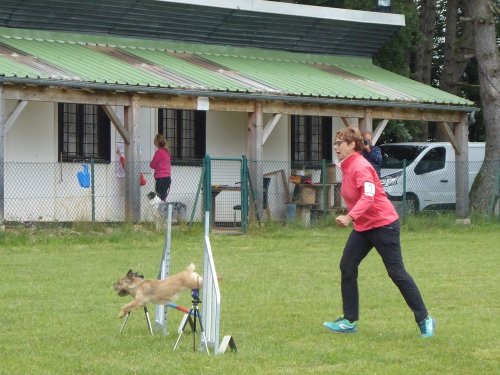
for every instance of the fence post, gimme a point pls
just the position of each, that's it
(323, 180)
(404, 189)
(244, 193)
(92, 188)
(201, 184)
(207, 188)
(254, 197)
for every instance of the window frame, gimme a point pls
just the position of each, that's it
(325, 131)
(198, 120)
(101, 140)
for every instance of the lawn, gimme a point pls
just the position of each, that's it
(59, 310)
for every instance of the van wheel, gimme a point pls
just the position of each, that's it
(412, 204)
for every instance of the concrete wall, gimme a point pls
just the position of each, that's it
(33, 137)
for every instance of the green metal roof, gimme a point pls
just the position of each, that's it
(27, 55)
(246, 23)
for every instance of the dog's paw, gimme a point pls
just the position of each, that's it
(121, 314)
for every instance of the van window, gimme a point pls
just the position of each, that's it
(393, 155)
(432, 161)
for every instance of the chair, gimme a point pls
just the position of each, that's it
(265, 188)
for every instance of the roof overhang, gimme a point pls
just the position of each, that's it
(154, 97)
(244, 23)
(299, 10)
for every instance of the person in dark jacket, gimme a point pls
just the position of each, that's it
(372, 153)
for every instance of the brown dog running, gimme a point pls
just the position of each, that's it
(156, 291)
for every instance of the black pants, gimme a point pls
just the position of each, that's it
(386, 241)
(162, 187)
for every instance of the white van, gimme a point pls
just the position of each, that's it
(430, 172)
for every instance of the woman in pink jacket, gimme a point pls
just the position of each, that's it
(162, 167)
(376, 224)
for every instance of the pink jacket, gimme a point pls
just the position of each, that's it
(161, 163)
(364, 195)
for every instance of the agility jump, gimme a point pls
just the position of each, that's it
(209, 319)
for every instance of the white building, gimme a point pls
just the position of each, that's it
(271, 81)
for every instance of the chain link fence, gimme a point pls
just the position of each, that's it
(52, 192)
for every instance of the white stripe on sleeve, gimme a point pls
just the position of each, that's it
(370, 189)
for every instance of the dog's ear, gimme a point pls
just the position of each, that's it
(130, 274)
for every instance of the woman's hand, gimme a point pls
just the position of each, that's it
(343, 220)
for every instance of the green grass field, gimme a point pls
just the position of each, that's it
(59, 311)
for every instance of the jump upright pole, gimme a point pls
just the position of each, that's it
(161, 313)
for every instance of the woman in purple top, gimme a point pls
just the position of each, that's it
(162, 166)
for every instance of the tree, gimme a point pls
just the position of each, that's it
(483, 14)
(456, 50)
(425, 41)
(425, 47)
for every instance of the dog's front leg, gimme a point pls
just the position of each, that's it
(129, 307)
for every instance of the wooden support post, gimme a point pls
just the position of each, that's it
(115, 120)
(378, 131)
(449, 134)
(270, 126)
(350, 122)
(132, 166)
(259, 133)
(251, 158)
(250, 135)
(255, 136)
(366, 123)
(11, 119)
(345, 122)
(462, 171)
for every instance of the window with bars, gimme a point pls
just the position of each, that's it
(84, 133)
(185, 132)
(311, 139)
